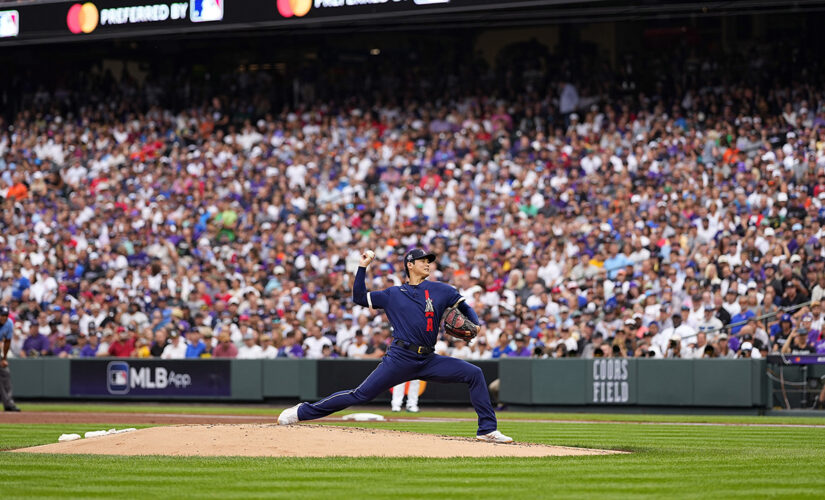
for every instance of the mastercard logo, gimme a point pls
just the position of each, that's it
(82, 18)
(298, 8)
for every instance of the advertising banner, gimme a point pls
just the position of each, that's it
(150, 378)
(796, 359)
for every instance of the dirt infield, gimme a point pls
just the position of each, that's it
(269, 440)
(67, 417)
(148, 418)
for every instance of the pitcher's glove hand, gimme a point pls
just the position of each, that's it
(457, 325)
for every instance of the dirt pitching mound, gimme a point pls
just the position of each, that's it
(267, 440)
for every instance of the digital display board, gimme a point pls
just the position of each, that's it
(75, 20)
(9, 23)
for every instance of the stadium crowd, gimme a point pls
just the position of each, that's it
(581, 210)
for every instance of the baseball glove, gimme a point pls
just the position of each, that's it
(457, 325)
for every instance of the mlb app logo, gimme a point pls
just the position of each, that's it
(9, 23)
(205, 10)
(117, 377)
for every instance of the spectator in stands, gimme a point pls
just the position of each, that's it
(379, 343)
(566, 339)
(35, 345)
(195, 347)
(249, 349)
(61, 349)
(225, 348)
(674, 348)
(176, 349)
(480, 350)
(806, 327)
(124, 345)
(522, 349)
(671, 209)
(781, 332)
(291, 349)
(746, 351)
(818, 292)
(106, 337)
(795, 293)
(710, 325)
(817, 316)
(90, 349)
(625, 338)
(161, 340)
(314, 343)
(358, 348)
(595, 345)
(659, 339)
(798, 343)
(346, 333)
(81, 342)
(723, 350)
(503, 347)
(696, 348)
(208, 341)
(142, 349)
(268, 349)
(461, 350)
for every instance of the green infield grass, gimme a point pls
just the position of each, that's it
(667, 461)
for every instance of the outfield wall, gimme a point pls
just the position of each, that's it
(528, 382)
(635, 382)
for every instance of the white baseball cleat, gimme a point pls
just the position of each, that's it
(413, 409)
(289, 416)
(495, 437)
(396, 409)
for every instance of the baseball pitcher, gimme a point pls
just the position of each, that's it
(415, 310)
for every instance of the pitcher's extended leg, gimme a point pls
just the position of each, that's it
(444, 369)
(387, 374)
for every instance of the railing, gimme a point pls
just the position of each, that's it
(800, 378)
(799, 382)
(765, 318)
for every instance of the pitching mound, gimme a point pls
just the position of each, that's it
(258, 440)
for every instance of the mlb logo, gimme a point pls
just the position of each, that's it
(205, 10)
(117, 377)
(9, 23)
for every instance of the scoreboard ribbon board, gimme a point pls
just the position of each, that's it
(28, 22)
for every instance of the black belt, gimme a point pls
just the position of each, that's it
(418, 349)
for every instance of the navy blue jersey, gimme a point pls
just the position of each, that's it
(413, 310)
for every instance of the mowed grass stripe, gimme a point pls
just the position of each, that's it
(660, 435)
(668, 461)
(559, 478)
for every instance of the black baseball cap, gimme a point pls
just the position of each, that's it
(416, 254)
(4, 311)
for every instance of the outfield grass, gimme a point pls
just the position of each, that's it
(667, 461)
(14, 436)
